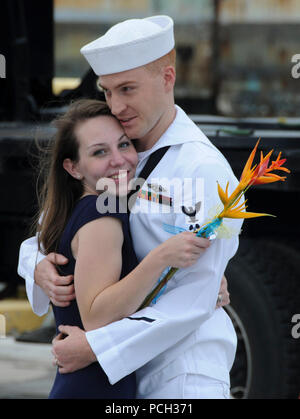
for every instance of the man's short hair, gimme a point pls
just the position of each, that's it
(164, 61)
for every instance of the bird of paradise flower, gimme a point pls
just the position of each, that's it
(232, 206)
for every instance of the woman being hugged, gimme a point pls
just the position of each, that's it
(109, 284)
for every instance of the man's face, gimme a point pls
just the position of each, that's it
(138, 98)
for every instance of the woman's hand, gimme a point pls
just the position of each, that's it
(183, 250)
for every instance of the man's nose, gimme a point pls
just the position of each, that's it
(117, 106)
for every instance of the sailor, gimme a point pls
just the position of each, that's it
(180, 346)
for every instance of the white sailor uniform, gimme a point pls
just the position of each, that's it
(180, 346)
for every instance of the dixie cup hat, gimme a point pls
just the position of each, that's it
(130, 44)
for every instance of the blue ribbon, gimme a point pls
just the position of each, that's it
(209, 229)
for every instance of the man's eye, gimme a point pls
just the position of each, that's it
(126, 89)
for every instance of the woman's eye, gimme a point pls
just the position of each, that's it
(125, 144)
(99, 152)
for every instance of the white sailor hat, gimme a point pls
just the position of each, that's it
(130, 44)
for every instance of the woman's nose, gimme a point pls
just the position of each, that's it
(117, 158)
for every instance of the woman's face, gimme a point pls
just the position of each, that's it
(104, 152)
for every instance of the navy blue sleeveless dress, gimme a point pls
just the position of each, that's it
(90, 382)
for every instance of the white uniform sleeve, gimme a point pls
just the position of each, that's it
(190, 298)
(29, 257)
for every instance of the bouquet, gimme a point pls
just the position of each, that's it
(232, 206)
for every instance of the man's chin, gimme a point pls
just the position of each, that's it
(132, 132)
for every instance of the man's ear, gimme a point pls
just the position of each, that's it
(71, 168)
(169, 77)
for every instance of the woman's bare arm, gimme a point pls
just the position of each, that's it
(102, 298)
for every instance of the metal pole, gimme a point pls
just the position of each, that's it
(215, 38)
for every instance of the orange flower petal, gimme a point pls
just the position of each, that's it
(250, 215)
(269, 178)
(249, 162)
(223, 195)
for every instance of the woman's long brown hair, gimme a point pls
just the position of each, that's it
(60, 191)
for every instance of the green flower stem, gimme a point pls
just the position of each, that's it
(158, 287)
(165, 279)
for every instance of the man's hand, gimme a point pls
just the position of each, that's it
(59, 289)
(223, 296)
(73, 352)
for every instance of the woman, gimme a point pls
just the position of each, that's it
(89, 145)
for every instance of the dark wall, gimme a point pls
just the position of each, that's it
(26, 41)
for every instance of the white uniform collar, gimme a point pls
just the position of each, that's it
(182, 130)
